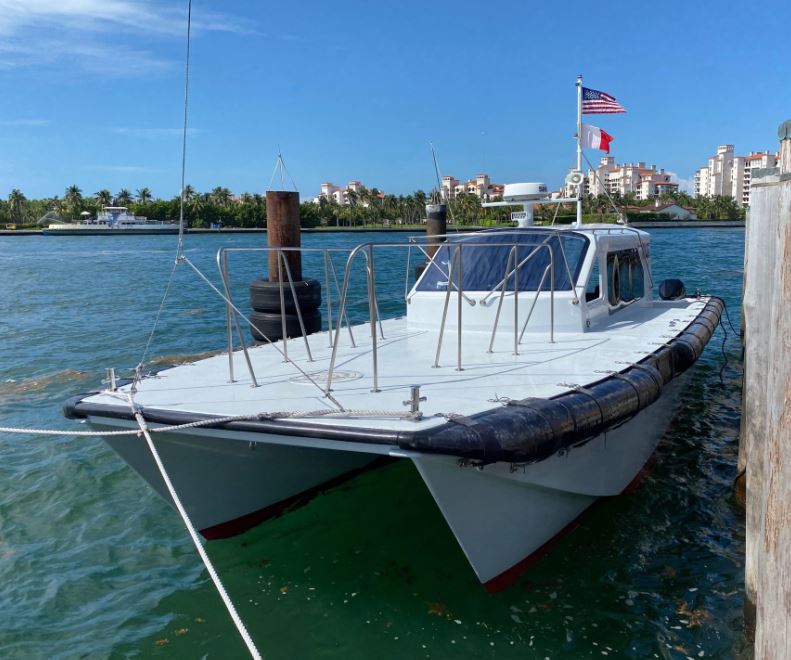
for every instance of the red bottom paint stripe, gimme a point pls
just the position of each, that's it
(642, 474)
(509, 576)
(250, 520)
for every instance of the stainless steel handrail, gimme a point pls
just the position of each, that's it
(341, 310)
(503, 284)
(535, 300)
(512, 256)
(451, 264)
(297, 306)
(455, 283)
(508, 274)
(432, 263)
(459, 308)
(231, 316)
(373, 311)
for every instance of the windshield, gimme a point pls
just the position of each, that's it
(485, 261)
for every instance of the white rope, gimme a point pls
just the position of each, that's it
(194, 534)
(21, 431)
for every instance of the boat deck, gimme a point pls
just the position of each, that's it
(405, 358)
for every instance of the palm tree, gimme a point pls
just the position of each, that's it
(703, 207)
(630, 199)
(143, 195)
(221, 196)
(189, 193)
(104, 197)
(16, 204)
(468, 208)
(73, 199)
(123, 198)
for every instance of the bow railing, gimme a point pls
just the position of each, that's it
(360, 272)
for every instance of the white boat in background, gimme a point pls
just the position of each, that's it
(112, 220)
(528, 372)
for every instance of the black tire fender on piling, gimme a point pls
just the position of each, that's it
(269, 325)
(672, 289)
(265, 296)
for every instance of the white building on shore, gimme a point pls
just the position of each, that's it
(344, 196)
(729, 175)
(636, 178)
(481, 186)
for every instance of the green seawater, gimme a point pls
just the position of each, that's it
(93, 564)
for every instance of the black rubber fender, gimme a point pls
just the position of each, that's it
(268, 325)
(265, 296)
(672, 289)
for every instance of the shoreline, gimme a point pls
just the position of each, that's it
(648, 224)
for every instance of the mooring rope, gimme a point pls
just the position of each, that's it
(141, 421)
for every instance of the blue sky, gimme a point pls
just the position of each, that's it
(91, 90)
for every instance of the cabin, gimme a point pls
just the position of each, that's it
(533, 279)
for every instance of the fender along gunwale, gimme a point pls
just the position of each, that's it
(522, 431)
(531, 430)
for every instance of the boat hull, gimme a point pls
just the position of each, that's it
(229, 486)
(504, 515)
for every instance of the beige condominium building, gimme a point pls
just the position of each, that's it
(480, 186)
(636, 178)
(730, 175)
(342, 196)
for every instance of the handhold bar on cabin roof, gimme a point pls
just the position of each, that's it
(433, 264)
(508, 275)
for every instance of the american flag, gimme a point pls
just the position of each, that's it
(595, 102)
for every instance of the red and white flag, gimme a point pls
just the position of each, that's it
(595, 138)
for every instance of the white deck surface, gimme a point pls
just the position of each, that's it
(542, 369)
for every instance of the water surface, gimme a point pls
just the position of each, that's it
(93, 564)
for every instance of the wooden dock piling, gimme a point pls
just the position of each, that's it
(436, 226)
(282, 230)
(766, 440)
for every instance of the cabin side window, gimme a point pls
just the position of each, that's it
(625, 277)
(593, 288)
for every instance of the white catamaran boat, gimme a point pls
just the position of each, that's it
(112, 220)
(529, 373)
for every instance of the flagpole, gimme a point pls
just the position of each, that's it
(579, 148)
